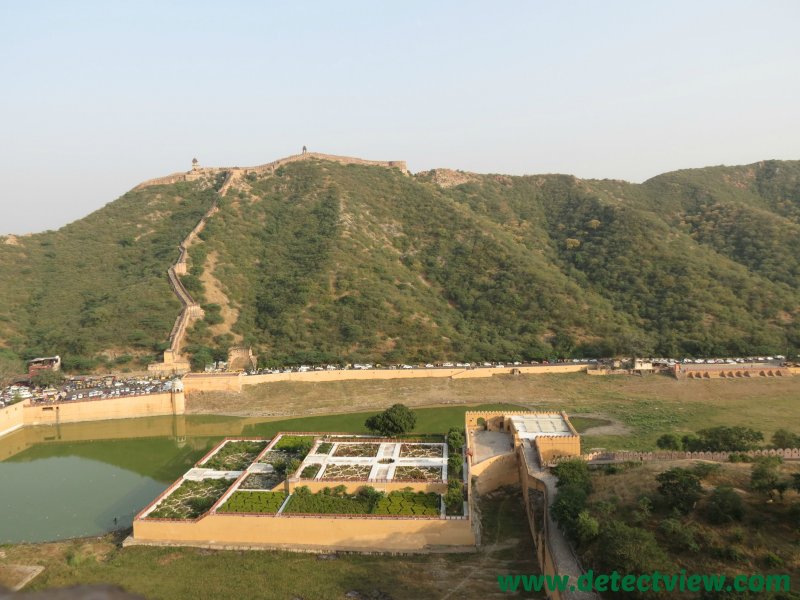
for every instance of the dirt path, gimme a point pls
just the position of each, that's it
(215, 295)
(616, 427)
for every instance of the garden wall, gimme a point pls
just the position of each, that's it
(310, 532)
(382, 485)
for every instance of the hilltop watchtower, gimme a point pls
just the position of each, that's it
(195, 164)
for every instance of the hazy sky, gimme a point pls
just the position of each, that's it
(98, 96)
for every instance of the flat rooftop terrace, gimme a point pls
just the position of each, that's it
(534, 425)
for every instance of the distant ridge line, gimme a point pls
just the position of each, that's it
(272, 166)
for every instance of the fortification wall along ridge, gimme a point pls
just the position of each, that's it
(624, 456)
(271, 167)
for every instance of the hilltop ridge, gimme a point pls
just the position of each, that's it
(322, 258)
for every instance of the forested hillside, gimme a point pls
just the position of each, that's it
(323, 262)
(96, 290)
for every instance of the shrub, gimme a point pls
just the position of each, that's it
(630, 550)
(724, 506)
(455, 464)
(454, 498)
(570, 502)
(680, 487)
(573, 473)
(739, 457)
(680, 536)
(704, 469)
(764, 475)
(669, 441)
(587, 527)
(772, 560)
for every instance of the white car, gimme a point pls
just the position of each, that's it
(447, 364)
(429, 366)
(407, 367)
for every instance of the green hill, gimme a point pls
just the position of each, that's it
(329, 262)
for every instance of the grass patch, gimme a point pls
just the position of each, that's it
(581, 424)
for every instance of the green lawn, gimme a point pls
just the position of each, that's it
(429, 421)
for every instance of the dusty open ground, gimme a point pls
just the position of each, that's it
(639, 408)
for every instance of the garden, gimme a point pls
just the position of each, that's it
(190, 499)
(414, 472)
(235, 456)
(260, 481)
(409, 503)
(366, 501)
(357, 450)
(347, 472)
(253, 502)
(324, 448)
(421, 451)
(310, 471)
(295, 445)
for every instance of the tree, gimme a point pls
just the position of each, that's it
(47, 378)
(783, 438)
(455, 465)
(573, 472)
(570, 502)
(724, 439)
(764, 476)
(454, 497)
(680, 487)
(395, 420)
(669, 441)
(10, 368)
(724, 505)
(630, 550)
(586, 527)
(455, 440)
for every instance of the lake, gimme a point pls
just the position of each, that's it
(86, 479)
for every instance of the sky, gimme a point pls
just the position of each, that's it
(98, 96)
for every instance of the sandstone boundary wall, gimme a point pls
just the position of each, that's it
(24, 413)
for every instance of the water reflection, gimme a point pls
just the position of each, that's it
(83, 479)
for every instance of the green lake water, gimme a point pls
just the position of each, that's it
(86, 479)
(74, 480)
